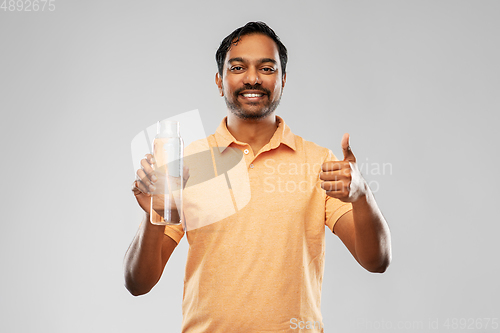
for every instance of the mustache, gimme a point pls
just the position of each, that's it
(252, 87)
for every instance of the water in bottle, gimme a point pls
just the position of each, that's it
(166, 200)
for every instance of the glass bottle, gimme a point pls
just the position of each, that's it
(166, 200)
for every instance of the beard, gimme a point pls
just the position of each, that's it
(265, 109)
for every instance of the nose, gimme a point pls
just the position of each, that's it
(252, 76)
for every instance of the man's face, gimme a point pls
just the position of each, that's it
(252, 81)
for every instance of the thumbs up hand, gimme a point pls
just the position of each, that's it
(342, 179)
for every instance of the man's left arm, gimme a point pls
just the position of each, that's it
(363, 230)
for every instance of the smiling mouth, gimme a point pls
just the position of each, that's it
(252, 95)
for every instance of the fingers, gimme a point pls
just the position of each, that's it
(135, 188)
(335, 185)
(145, 177)
(341, 179)
(138, 188)
(337, 189)
(147, 166)
(338, 181)
(144, 183)
(336, 176)
(334, 165)
(344, 174)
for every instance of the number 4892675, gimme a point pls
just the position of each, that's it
(28, 5)
(471, 323)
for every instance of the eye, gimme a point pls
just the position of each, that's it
(268, 69)
(236, 68)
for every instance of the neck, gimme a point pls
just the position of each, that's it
(256, 132)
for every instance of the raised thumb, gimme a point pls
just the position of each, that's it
(346, 149)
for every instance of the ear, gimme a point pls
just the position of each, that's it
(218, 82)
(283, 81)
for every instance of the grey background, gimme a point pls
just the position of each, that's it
(415, 83)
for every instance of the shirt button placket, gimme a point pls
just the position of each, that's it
(246, 151)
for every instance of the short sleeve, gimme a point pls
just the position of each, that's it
(334, 208)
(176, 232)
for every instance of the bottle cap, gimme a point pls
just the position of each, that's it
(168, 128)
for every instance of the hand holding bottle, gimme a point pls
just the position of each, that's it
(162, 176)
(146, 183)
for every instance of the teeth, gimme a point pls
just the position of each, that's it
(252, 95)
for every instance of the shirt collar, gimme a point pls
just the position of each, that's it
(283, 134)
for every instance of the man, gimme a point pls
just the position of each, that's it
(261, 268)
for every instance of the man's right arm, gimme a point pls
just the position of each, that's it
(146, 257)
(150, 249)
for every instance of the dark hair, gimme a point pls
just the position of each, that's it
(247, 29)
